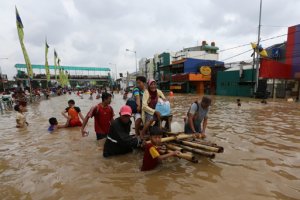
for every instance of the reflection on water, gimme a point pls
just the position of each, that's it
(261, 158)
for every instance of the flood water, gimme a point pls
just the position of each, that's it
(261, 158)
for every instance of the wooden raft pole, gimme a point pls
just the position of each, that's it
(178, 137)
(175, 148)
(208, 143)
(186, 156)
(183, 149)
(201, 146)
(198, 151)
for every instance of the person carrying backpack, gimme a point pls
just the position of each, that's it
(197, 114)
(103, 116)
(135, 102)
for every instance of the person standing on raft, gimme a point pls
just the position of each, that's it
(118, 140)
(197, 114)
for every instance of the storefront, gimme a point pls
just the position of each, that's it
(282, 68)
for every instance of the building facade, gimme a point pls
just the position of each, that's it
(190, 75)
(142, 66)
(204, 52)
(238, 80)
(281, 70)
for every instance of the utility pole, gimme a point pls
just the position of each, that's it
(136, 65)
(116, 70)
(257, 46)
(146, 68)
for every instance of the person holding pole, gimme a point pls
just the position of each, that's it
(197, 114)
(119, 141)
(152, 157)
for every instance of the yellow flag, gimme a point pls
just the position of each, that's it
(46, 61)
(21, 37)
(259, 49)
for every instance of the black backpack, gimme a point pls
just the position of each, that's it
(196, 102)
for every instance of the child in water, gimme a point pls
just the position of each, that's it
(74, 113)
(238, 101)
(20, 118)
(263, 101)
(54, 124)
(151, 155)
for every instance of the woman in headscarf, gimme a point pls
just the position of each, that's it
(150, 99)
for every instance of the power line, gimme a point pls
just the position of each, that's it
(234, 47)
(274, 37)
(274, 26)
(243, 45)
(239, 46)
(238, 54)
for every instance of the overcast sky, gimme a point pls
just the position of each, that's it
(97, 32)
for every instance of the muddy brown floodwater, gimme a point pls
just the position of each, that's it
(261, 158)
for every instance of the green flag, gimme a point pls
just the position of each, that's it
(46, 61)
(21, 37)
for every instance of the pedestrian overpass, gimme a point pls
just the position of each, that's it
(75, 73)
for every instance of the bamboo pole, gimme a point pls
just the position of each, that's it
(187, 156)
(175, 148)
(208, 143)
(204, 142)
(200, 141)
(174, 133)
(200, 146)
(178, 137)
(198, 151)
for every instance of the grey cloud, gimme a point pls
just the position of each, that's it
(97, 32)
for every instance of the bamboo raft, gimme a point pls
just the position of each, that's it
(190, 148)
